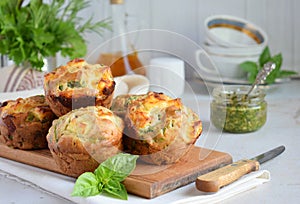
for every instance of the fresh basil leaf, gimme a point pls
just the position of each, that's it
(86, 185)
(271, 78)
(103, 173)
(121, 165)
(286, 73)
(116, 189)
(107, 177)
(113, 185)
(251, 68)
(251, 78)
(264, 57)
(277, 59)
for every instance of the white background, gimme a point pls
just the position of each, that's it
(279, 18)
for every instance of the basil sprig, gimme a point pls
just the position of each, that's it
(252, 68)
(107, 177)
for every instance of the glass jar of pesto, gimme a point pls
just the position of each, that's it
(233, 111)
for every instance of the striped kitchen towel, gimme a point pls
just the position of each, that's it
(14, 78)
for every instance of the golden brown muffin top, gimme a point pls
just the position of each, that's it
(94, 80)
(90, 124)
(159, 120)
(148, 110)
(120, 103)
(34, 106)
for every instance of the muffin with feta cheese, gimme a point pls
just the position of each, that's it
(78, 84)
(24, 123)
(85, 137)
(159, 128)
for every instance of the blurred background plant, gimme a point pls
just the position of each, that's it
(33, 30)
(252, 68)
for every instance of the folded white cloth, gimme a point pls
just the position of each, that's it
(55, 184)
(62, 186)
(245, 183)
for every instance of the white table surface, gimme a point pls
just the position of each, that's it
(282, 128)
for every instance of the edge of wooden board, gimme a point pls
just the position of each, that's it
(192, 167)
(147, 185)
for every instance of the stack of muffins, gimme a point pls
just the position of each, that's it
(75, 122)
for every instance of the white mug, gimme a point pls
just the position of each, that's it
(166, 75)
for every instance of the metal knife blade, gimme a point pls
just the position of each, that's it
(214, 180)
(262, 158)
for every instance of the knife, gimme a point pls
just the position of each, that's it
(214, 180)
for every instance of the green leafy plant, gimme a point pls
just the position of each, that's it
(30, 32)
(252, 68)
(107, 177)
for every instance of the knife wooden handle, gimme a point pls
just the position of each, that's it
(213, 181)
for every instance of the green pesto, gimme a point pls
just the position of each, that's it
(238, 115)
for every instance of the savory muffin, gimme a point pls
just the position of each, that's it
(120, 103)
(85, 137)
(24, 123)
(78, 84)
(160, 128)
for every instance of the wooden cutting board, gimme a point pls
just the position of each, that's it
(147, 181)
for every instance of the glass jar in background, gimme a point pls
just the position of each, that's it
(232, 111)
(121, 56)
